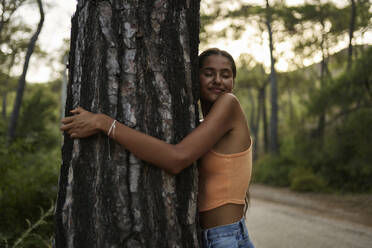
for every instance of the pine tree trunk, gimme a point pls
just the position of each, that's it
(3, 112)
(254, 121)
(137, 62)
(264, 121)
(256, 131)
(351, 34)
(323, 71)
(22, 79)
(290, 107)
(273, 141)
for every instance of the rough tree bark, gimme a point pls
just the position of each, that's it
(22, 79)
(137, 62)
(273, 141)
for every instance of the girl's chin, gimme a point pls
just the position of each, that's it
(210, 99)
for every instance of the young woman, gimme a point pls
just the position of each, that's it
(222, 142)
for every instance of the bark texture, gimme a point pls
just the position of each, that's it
(137, 62)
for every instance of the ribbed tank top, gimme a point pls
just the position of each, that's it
(224, 178)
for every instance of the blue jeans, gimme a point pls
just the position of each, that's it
(234, 235)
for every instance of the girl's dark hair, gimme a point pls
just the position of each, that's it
(216, 51)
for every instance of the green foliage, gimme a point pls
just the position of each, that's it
(28, 182)
(349, 154)
(37, 119)
(272, 170)
(351, 91)
(304, 180)
(29, 170)
(340, 160)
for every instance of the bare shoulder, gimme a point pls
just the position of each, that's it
(228, 100)
(230, 105)
(227, 107)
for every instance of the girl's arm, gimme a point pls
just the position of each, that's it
(171, 158)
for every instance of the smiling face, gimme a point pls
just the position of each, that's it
(216, 78)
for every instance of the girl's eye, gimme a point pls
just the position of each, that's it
(207, 74)
(225, 75)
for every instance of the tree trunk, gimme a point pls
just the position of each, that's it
(137, 62)
(256, 132)
(262, 102)
(253, 110)
(4, 105)
(351, 34)
(22, 80)
(323, 71)
(254, 121)
(264, 120)
(290, 107)
(273, 141)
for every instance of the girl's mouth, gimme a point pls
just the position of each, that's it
(216, 90)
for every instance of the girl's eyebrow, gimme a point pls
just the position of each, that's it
(213, 69)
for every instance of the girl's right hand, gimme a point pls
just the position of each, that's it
(82, 124)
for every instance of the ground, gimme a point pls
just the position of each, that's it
(280, 218)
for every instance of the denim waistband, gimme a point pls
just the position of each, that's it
(227, 230)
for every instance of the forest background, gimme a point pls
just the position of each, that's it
(304, 80)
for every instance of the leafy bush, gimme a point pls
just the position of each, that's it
(272, 170)
(304, 180)
(349, 153)
(28, 183)
(29, 169)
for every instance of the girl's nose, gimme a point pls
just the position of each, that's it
(217, 79)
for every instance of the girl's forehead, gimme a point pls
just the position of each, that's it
(216, 61)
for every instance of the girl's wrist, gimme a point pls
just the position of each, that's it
(103, 122)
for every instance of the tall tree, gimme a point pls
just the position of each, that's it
(273, 141)
(324, 20)
(254, 78)
(351, 32)
(137, 62)
(22, 80)
(6, 84)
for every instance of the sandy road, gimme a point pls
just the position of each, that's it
(276, 225)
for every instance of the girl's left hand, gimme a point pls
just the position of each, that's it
(83, 124)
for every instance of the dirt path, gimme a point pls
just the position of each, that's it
(279, 218)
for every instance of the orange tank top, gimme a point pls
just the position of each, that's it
(224, 178)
